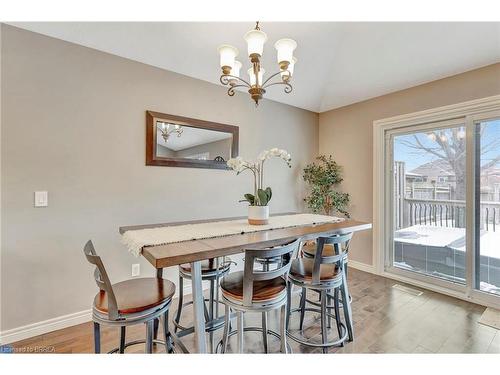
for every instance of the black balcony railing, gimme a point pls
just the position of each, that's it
(446, 213)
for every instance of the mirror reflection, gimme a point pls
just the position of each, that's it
(185, 142)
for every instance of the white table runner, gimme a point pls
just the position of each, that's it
(135, 240)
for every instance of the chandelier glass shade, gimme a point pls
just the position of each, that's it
(256, 85)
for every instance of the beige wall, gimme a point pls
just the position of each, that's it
(73, 123)
(347, 134)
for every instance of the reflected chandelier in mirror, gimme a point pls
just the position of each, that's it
(176, 141)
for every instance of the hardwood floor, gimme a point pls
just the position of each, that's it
(386, 320)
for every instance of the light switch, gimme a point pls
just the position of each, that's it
(136, 269)
(41, 198)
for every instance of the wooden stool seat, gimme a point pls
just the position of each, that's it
(310, 249)
(263, 290)
(207, 265)
(137, 295)
(302, 268)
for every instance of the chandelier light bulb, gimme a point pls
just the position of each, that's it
(255, 41)
(235, 72)
(287, 74)
(285, 48)
(252, 76)
(227, 57)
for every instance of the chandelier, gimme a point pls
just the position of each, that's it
(257, 87)
(167, 130)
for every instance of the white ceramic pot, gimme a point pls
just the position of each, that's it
(258, 215)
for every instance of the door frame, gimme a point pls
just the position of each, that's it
(471, 111)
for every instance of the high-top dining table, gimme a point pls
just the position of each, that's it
(195, 251)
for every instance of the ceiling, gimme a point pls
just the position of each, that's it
(338, 63)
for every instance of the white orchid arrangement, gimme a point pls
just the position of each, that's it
(260, 197)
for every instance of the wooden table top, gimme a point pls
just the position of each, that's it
(162, 256)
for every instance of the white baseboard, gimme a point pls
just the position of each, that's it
(39, 328)
(362, 266)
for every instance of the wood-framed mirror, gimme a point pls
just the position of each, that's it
(176, 141)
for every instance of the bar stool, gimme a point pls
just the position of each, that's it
(324, 273)
(308, 250)
(211, 270)
(257, 290)
(266, 265)
(130, 302)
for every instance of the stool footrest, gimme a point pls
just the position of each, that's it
(303, 341)
(253, 329)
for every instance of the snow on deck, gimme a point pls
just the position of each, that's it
(454, 238)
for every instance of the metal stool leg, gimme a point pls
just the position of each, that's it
(264, 331)
(288, 303)
(217, 279)
(324, 336)
(283, 329)
(336, 305)
(239, 315)
(149, 336)
(97, 338)
(346, 306)
(180, 302)
(207, 314)
(329, 303)
(227, 321)
(302, 308)
(265, 267)
(122, 339)
(166, 334)
(156, 327)
(211, 313)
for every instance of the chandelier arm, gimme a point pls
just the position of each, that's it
(288, 86)
(274, 75)
(230, 90)
(224, 79)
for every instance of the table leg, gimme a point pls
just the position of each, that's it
(198, 307)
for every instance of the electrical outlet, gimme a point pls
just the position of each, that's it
(136, 269)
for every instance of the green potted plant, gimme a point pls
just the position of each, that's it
(323, 176)
(258, 209)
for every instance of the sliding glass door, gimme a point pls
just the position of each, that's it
(427, 166)
(437, 189)
(487, 203)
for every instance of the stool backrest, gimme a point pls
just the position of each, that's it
(340, 245)
(102, 279)
(252, 272)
